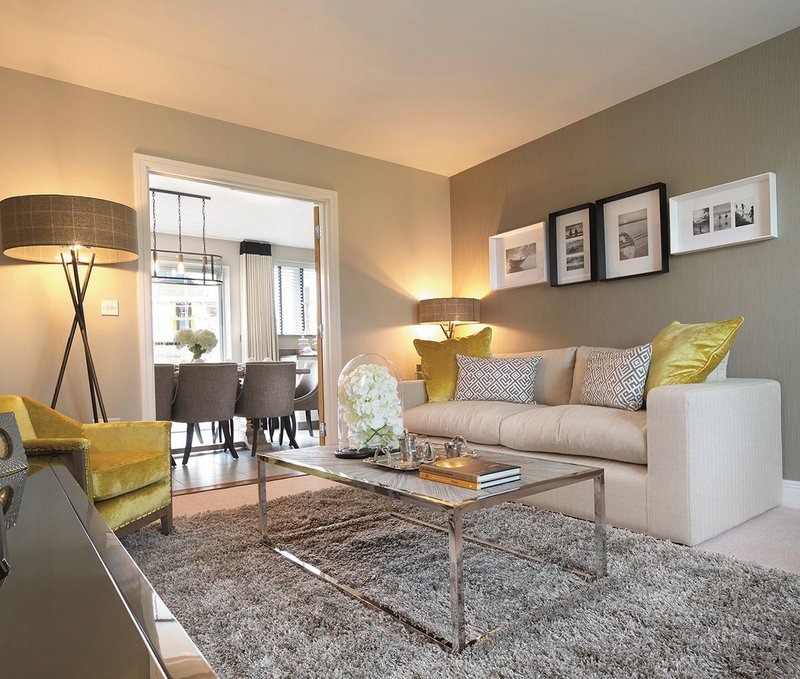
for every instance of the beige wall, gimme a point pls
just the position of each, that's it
(394, 229)
(734, 119)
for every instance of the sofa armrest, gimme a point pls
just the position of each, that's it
(714, 456)
(123, 437)
(73, 453)
(413, 393)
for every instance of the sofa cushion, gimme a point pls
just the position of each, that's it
(686, 353)
(553, 384)
(496, 379)
(616, 378)
(439, 365)
(593, 431)
(581, 356)
(115, 474)
(476, 421)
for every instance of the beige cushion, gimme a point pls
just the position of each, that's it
(553, 383)
(593, 431)
(476, 421)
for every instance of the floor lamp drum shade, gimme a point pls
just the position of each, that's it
(41, 228)
(450, 311)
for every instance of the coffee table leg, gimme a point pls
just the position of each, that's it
(456, 580)
(262, 499)
(600, 525)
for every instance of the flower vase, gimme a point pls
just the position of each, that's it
(198, 359)
(370, 408)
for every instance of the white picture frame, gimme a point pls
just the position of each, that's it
(518, 257)
(742, 211)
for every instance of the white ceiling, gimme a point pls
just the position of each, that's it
(434, 84)
(232, 214)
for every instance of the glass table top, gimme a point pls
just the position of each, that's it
(537, 475)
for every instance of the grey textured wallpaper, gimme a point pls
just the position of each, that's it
(734, 119)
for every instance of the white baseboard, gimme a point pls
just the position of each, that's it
(791, 494)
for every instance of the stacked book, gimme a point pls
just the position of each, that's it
(469, 472)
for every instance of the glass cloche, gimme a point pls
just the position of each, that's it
(370, 406)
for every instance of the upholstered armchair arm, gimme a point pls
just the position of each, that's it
(72, 452)
(123, 437)
(713, 456)
(413, 393)
(49, 423)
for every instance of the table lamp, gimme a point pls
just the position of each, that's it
(72, 231)
(447, 312)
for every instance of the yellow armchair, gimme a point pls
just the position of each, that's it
(124, 467)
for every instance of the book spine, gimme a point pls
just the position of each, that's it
(462, 476)
(471, 485)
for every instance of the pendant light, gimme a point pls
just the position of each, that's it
(209, 262)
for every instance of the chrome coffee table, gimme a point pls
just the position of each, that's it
(538, 475)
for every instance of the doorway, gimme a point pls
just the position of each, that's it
(165, 307)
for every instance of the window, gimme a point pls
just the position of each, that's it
(296, 299)
(199, 307)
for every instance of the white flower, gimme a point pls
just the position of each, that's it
(371, 407)
(206, 339)
(184, 338)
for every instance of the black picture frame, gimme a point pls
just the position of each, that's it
(553, 248)
(609, 263)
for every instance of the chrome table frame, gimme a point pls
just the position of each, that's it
(455, 515)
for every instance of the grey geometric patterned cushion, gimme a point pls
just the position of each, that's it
(616, 378)
(496, 379)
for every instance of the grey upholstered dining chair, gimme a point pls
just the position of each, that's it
(306, 398)
(268, 392)
(206, 393)
(165, 390)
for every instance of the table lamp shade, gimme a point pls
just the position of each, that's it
(41, 228)
(450, 310)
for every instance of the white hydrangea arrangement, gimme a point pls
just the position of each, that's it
(370, 406)
(198, 342)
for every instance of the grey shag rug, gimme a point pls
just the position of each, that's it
(664, 610)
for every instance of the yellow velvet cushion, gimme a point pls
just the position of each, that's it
(115, 474)
(439, 361)
(123, 509)
(686, 353)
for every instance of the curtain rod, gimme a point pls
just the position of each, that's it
(181, 193)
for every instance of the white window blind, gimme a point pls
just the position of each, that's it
(295, 299)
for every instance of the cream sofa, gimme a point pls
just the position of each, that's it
(700, 459)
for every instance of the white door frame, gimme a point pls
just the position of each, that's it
(328, 202)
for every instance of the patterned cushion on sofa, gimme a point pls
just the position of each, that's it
(496, 379)
(616, 378)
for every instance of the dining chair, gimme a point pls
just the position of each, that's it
(268, 392)
(306, 399)
(206, 392)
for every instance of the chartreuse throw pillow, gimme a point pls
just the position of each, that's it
(439, 364)
(685, 353)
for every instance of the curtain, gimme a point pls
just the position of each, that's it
(259, 329)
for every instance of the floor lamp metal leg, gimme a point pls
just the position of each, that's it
(77, 295)
(70, 339)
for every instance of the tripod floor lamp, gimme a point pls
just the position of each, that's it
(77, 233)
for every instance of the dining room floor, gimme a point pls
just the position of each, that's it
(211, 467)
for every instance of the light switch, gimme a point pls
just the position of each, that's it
(109, 307)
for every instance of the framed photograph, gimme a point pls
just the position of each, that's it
(738, 212)
(572, 247)
(518, 257)
(633, 233)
